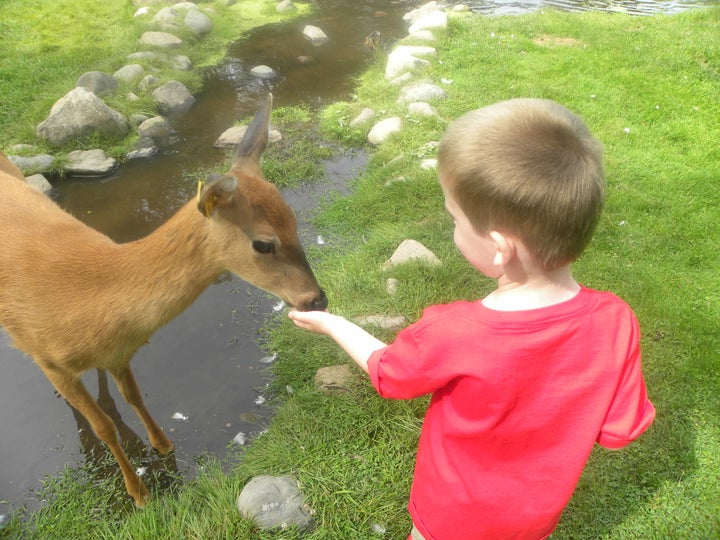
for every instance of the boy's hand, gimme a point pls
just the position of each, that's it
(319, 322)
(357, 342)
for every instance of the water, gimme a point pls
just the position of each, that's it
(205, 368)
(631, 7)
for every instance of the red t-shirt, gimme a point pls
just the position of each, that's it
(518, 400)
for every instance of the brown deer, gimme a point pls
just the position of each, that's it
(74, 300)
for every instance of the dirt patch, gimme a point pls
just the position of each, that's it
(557, 41)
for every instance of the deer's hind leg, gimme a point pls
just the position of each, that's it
(128, 387)
(73, 390)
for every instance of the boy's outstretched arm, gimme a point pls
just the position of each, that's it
(358, 343)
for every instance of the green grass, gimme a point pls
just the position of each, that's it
(656, 246)
(45, 46)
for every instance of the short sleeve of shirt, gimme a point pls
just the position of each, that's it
(630, 412)
(412, 365)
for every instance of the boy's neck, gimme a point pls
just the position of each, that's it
(532, 289)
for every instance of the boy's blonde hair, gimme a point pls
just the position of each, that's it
(530, 168)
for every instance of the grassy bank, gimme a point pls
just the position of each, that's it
(648, 88)
(46, 45)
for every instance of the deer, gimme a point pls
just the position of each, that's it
(74, 300)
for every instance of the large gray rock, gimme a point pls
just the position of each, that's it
(263, 72)
(198, 23)
(161, 40)
(434, 19)
(39, 182)
(383, 129)
(173, 98)
(286, 6)
(405, 58)
(274, 501)
(129, 73)
(315, 35)
(154, 127)
(40, 163)
(183, 15)
(99, 83)
(231, 137)
(79, 113)
(89, 163)
(422, 91)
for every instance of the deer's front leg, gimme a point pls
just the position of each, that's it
(73, 390)
(125, 381)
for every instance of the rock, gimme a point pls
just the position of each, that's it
(391, 286)
(142, 55)
(334, 379)
(365, 115)
(429, 163)
(41, 163)
(422, 35)
(274, 501)
(99, 83)
(130, 73)
(421, 108)
(21, 147)
(39, 182)
(402, 79)
(89, 163)
(315, 35)
(157, 126)
(263, 72)
(144, 148)
(138, 118)
(147, 81)
(383, 129)
(422, 91)
(231, 137)
(286, 6)
(434, 19)
(173, 98)
(183, 15)
(405, 58)
(415, 14)
(181, 63)
(411, 251)
(80, 113)
(162, 40)
(198, 23)
(386, 322)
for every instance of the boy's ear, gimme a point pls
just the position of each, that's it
(505, 248)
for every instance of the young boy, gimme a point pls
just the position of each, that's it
(526, 380)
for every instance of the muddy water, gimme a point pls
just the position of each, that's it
(206, 366)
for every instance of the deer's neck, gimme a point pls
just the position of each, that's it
(166, 271)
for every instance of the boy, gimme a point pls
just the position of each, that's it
(527, 379)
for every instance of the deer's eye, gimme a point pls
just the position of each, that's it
(263, 247)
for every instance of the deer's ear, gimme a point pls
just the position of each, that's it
(217, 191)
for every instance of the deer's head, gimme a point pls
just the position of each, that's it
(255, 227)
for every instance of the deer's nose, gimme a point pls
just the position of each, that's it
(320, 302)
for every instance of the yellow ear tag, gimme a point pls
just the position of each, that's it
(199, 190)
